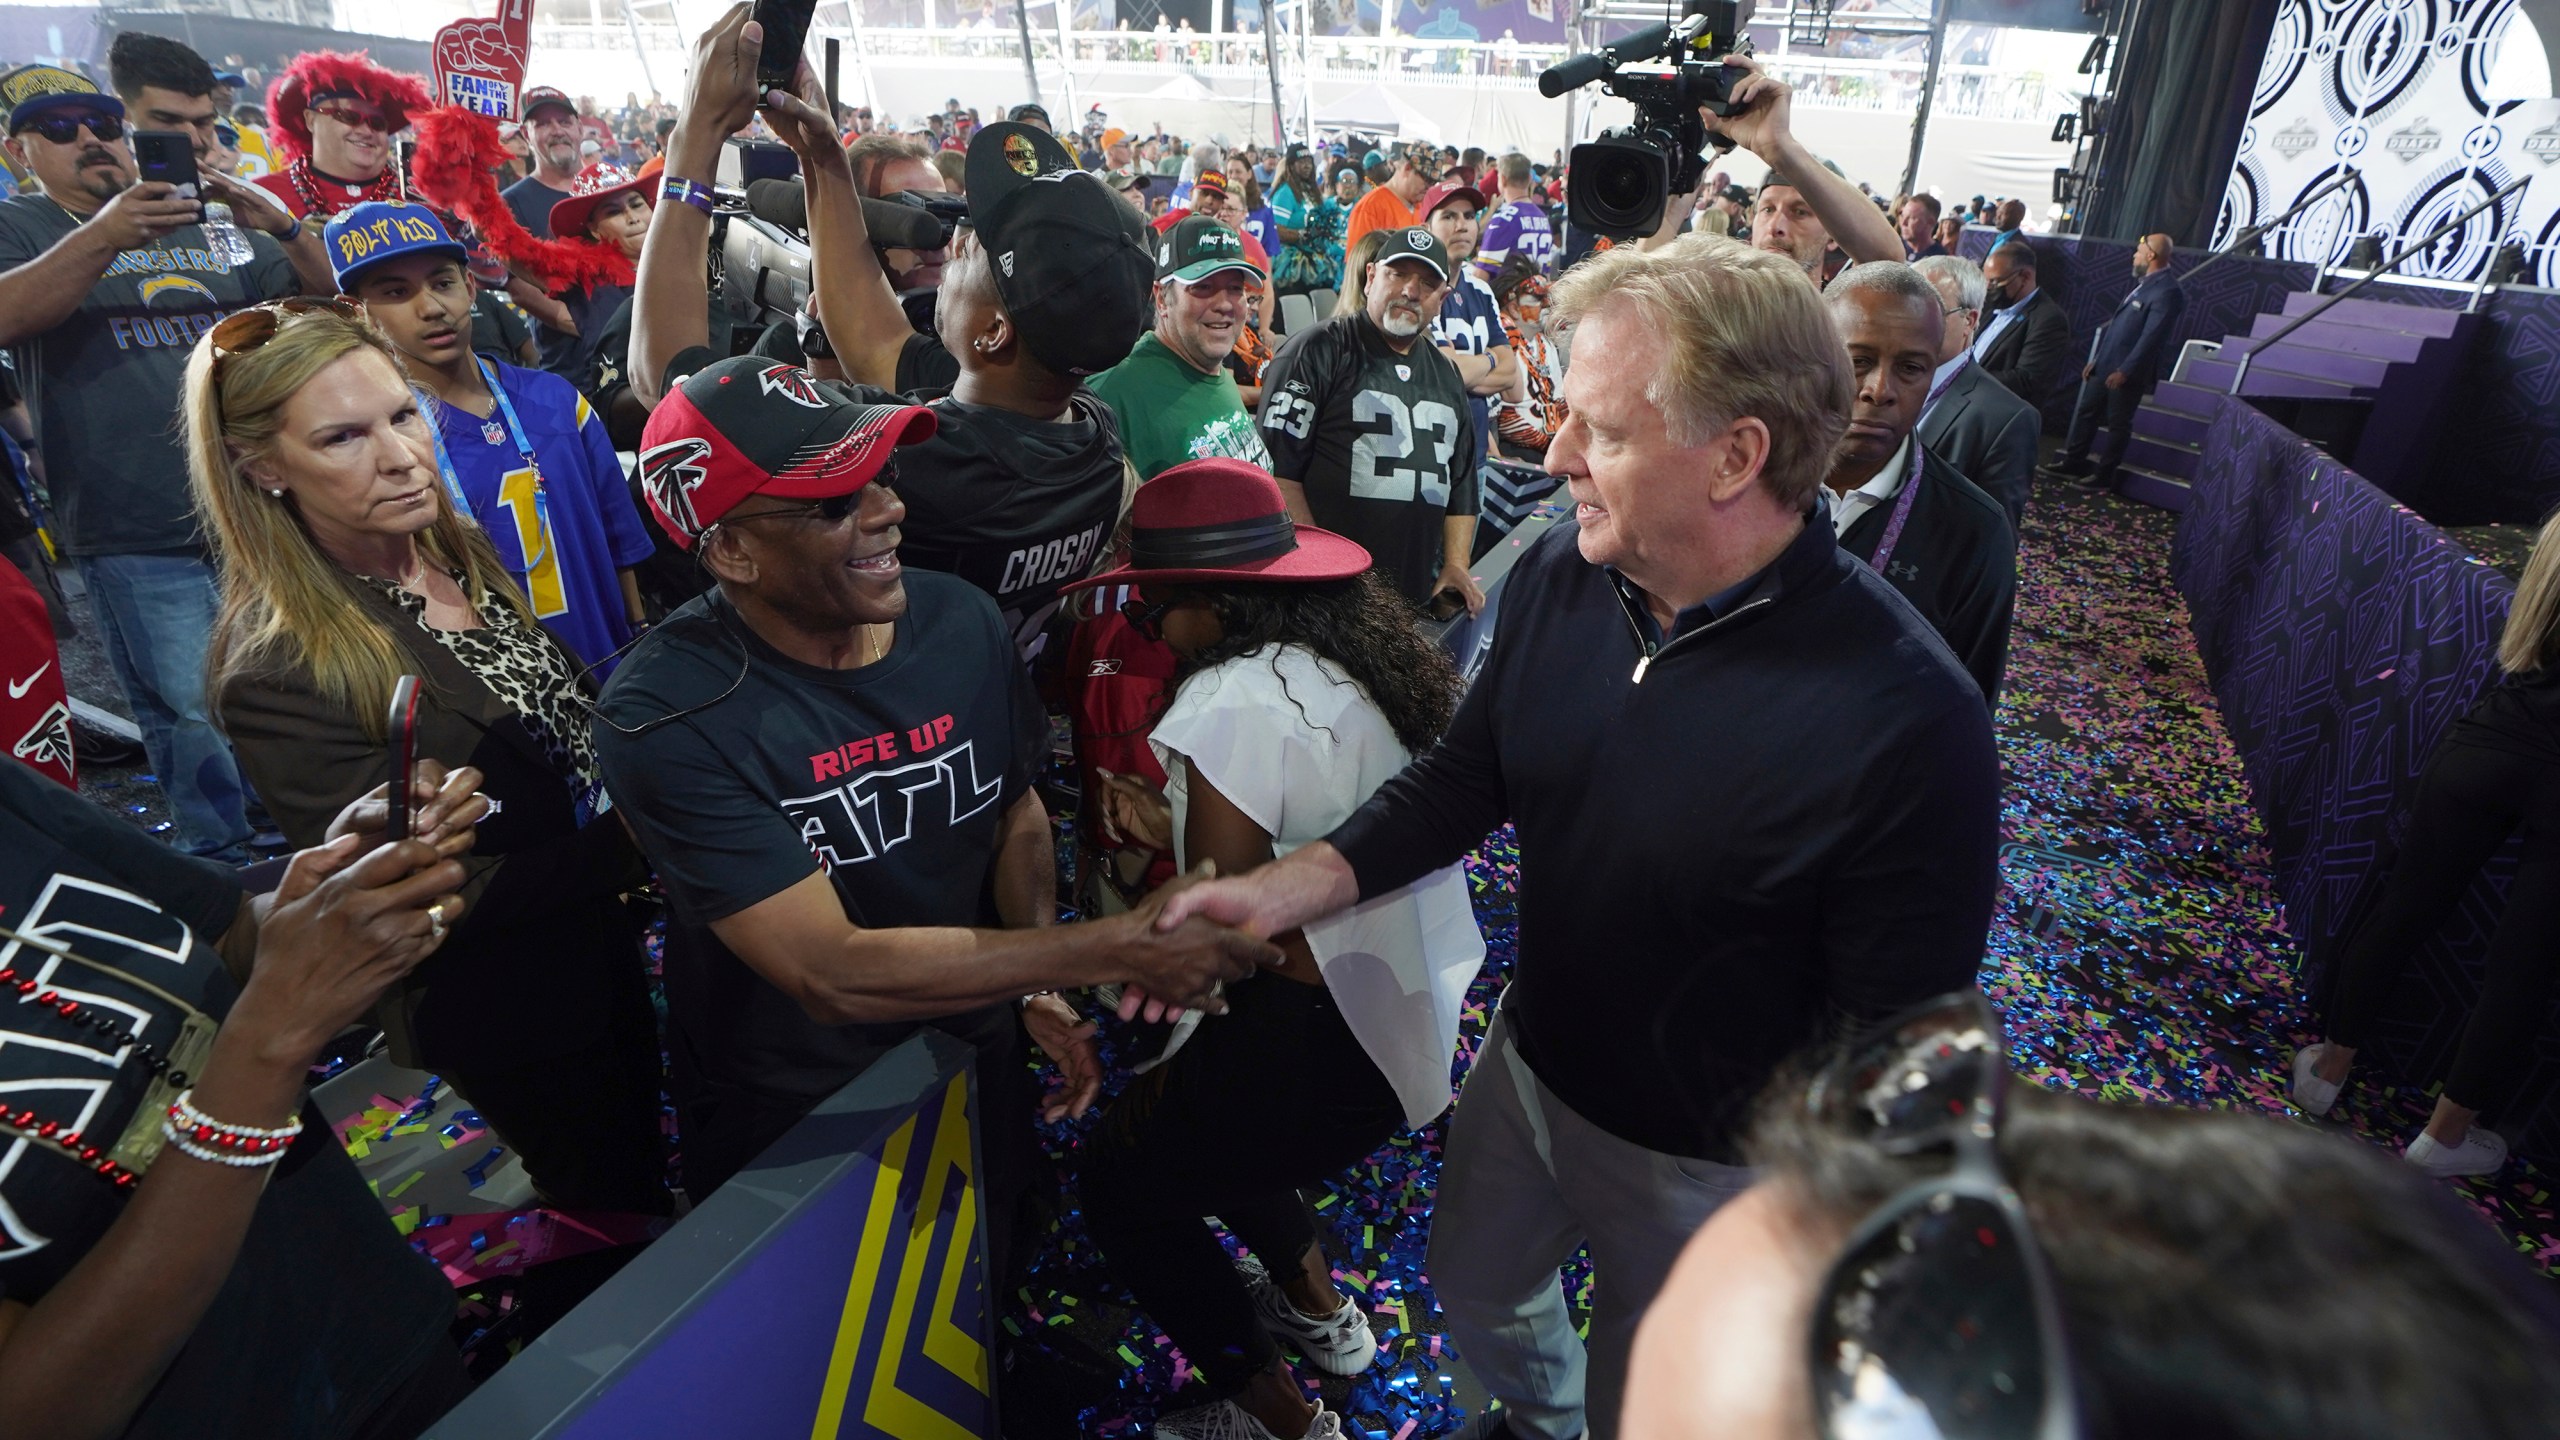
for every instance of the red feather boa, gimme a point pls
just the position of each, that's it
(458, 153)
(323, 71)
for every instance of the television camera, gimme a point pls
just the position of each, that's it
(1618, 184)
(760, 264)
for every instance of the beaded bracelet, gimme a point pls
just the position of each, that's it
(192, 1127)
(689, 192)
(187, 1145)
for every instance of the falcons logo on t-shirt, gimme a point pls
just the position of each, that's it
(49, 742)
(670, 473)
(792, 383)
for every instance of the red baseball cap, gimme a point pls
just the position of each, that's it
(748, 425)
(1444, 192)
(1225, 520)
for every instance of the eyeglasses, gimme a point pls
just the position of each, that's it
(1941, 1301)
(355, 117)
(1147, 619)
(246, 330)
(831, 510)
(62, 129)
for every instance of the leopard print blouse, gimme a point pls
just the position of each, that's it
(528, 673)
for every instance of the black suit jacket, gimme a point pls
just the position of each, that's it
(2032, 353)
(1957, 563)
(527, 968)
(1987, 433)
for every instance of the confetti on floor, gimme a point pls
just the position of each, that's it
(2138, 954)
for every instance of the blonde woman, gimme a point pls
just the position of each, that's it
(2496, 772)
(345, 566)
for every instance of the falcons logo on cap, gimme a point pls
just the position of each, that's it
(793, 384)
(670, 473)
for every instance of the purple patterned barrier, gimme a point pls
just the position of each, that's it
(2343, 634)
(2500, 462)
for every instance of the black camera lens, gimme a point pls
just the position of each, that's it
(1618, 184)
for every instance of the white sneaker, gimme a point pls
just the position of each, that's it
(1227, 1420)
(1338, 1344)
(2482, 1152)
(2312, 1095)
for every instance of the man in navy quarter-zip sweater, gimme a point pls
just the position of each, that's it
(1756, 796)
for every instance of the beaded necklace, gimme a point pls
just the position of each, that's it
(172, 1068)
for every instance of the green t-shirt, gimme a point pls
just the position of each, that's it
(1170, 412)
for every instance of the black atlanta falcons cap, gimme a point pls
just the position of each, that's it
(752, 426)
(1074, 264)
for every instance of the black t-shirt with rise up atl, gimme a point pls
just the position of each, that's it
(893, 779)
(1015, 506)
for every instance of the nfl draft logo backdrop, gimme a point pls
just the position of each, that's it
(2399, 91)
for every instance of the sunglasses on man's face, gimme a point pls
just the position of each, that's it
(63, 129)
(354, 117)
(831, 511)
(1145, 616)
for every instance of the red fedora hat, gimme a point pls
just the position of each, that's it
(1225, 520)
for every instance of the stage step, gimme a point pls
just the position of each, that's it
(2379, 314)
(2164, 457)
(2274, 382)
(2296, 357)
(2152, 488)
(2186, 397)
(2330, 334)
(2161, 423)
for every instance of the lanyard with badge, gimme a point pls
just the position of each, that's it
(491, 431)
(1901, 510)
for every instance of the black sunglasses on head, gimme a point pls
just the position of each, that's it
(62, 128)
(1941, 1303)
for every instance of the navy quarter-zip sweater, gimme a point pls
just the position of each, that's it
(1774, 823)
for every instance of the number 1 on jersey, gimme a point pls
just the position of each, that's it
(542, 559)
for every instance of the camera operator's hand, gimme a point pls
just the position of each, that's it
(1763, 111)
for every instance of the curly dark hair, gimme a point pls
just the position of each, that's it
(1362, 624)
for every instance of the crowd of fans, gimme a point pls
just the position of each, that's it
(1186, 445)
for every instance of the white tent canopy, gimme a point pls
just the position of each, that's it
(1373, 110)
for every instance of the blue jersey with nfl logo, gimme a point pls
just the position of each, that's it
(567, 544)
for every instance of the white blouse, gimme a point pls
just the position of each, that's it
(1298, 745)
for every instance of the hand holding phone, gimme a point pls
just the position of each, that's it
(786, 32)
(169, 156)
(403, 734)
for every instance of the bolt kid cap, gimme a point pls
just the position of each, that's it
(380, 230)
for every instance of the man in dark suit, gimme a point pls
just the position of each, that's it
(2124, 366)
(2026, 339)
(1931, 533)
(1971, 421)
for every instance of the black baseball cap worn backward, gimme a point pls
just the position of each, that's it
(1071, 261)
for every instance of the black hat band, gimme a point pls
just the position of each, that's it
(1200, 547)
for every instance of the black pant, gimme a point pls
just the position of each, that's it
(2117, 406)
(585, 1121)
(2471, 797)
(1273, 1095)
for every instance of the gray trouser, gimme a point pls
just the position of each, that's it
(1526, 1180)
